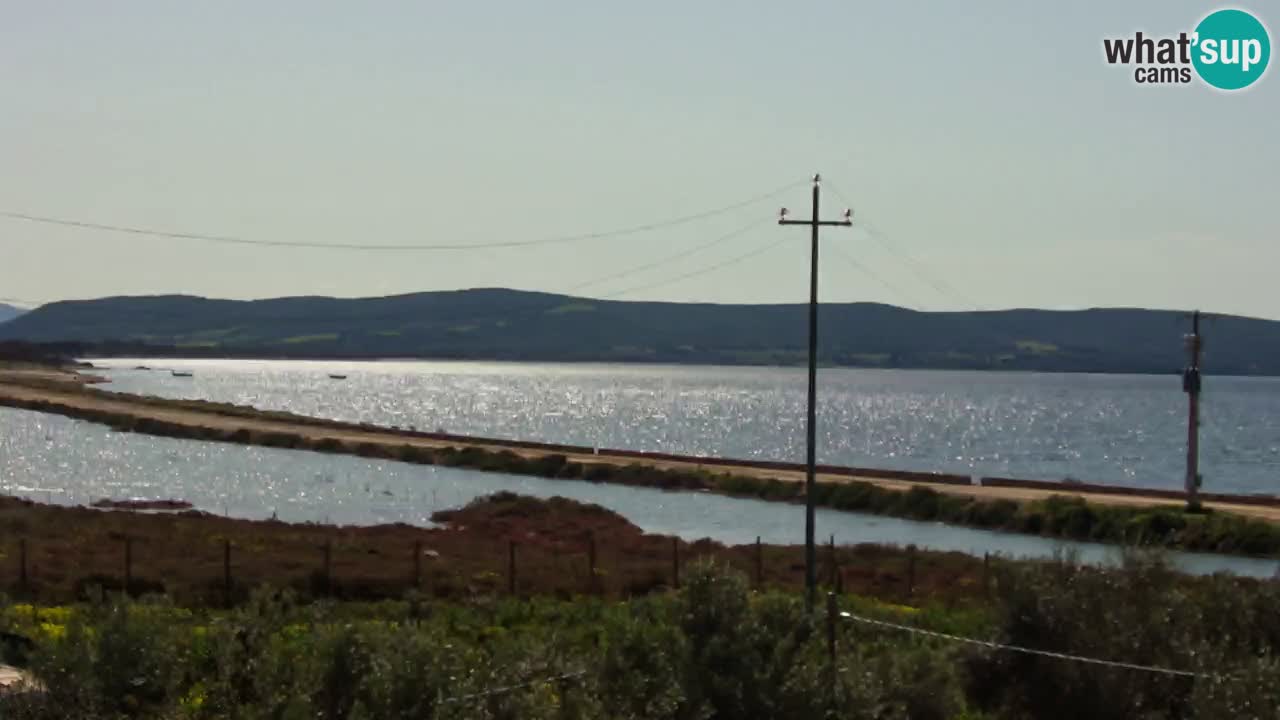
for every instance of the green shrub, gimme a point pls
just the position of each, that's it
(712, 650)
(329, 445)
(597, 472)
(549, 465)
(123, 658)
(373, 450)
(920, 503)
(1140, 613)
(993, 513)
(1067, 516)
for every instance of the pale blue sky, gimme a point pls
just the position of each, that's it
(988, 140)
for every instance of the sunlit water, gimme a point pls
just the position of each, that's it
(55, 459)
(1119, 429)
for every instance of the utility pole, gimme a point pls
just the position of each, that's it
(811, 458)
(1191, 386)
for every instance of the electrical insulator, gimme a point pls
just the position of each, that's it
(1191, 380)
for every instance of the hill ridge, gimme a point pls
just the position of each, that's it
(506, 324)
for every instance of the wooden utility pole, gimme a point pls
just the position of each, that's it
(811, 458)
(1191, 386)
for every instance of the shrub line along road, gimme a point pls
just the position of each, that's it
(64, 392)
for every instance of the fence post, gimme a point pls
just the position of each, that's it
(328, 566)
(759, 564)
(591, 558)
(563, 686)
(831, 556)
(226, 571)
(911, 570)
(511, 567)
(128, 566)
(22, 564)
(417, 564)
(986, 574)
(831, 645)
(675, 562)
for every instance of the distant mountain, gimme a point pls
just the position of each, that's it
(9, 312)
(515, 325)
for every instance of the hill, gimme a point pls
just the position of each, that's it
(516, 325)
(9, 312)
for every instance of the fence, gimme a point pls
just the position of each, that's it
(393, 562)
(834, 616)
(325, 579)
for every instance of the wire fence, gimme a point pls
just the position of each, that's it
(882, 624)
(493, 692)
(1023, 650)
(753, 556)
(215, 569)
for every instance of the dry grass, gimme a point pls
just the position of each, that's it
(70, 550)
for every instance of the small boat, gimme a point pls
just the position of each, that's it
(333, 376)
(181, 373)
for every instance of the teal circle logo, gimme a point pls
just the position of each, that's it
(1231, 49)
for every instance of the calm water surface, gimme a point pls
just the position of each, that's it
(1117, 429)
(55, 459)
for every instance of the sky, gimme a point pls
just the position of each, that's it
(991, 157)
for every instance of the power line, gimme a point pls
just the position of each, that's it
(521, 312)
(1025, 650)
(668, 259)
(873, 276)
(512, 688)
(228, 239)
(983, 317)
(700, 271)
(942, 287)
(738, 232)
(939, 285)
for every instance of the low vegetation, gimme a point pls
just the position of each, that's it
(1060, 516)
(713, 649)
(563, 548)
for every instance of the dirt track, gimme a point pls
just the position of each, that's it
(66, 388)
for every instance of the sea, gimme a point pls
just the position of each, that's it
(1115, 429)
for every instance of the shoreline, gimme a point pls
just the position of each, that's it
(155, 354)
(1000, 504)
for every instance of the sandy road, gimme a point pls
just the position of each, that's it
(65, 388)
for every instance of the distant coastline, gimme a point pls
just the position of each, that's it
(159, 353)
(516, 326)
(76, 351)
